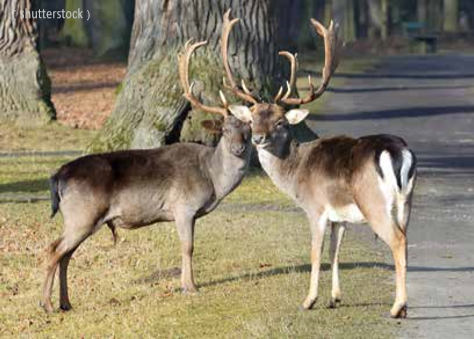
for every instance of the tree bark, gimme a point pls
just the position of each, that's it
(150, 110)
(25, 88)
(451, 16)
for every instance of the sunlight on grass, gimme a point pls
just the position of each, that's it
(252, 270)
(251, 261)
(251, 265)
(52, 136)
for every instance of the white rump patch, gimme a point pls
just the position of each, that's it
(387, 169)
(406, 165)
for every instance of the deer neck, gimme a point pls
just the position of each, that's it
(280, 166)
(227, 170)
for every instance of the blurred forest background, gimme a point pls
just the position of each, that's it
(117, 71)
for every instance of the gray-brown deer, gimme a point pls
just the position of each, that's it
(336, 180)
(132, 189)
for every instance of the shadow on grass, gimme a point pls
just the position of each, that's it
(162, 274)
(30, 186)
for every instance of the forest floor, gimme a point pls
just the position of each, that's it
(251, 257)
(83, 87)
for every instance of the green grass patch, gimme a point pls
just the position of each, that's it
(52, 136)
(251, 262)
(251, 265)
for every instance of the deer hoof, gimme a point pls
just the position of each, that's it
(334, 303)
(47, 307)
(190, 290)
(307, 305)
(399, 312)
(66, 306)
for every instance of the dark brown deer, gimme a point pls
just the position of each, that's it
(338, 179)
(132, 189)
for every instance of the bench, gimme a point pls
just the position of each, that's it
(419, 40)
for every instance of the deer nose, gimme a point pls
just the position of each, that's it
(258, 138)
(238, 149)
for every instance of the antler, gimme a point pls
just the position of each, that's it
(226, 29)
(183, 61)
(290, 85)
(332, 47)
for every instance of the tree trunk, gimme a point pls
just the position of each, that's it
(422, 11)
(74, 30)
(150, 110)
(430, 14)
(25, 89)
(384, 15)
(451, 11)
(108, 29)
(344, 13)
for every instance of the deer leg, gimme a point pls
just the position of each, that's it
(59, 254)
(399, 251)
(337, 233)
(64, 302)
(318, 224)
(50, 272)
(111, 226)
(58, 250)
(185, 226)
(395, 238)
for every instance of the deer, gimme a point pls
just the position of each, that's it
(136, 188)
(335, 180)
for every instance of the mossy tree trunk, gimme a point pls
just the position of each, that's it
(451, 16)
(150, 110)
(108, 29)
(74, 30)
(25, 89)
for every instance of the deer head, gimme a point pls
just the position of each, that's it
(235, 132)
(270, 121)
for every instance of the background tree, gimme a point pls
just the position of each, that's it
(107, 31)
(25, 89)
(150, 110)
(343, 12)
(451, 15)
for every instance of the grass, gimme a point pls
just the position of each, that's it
(53, 136)
(251, 261)
(251, 265)
(252, 269)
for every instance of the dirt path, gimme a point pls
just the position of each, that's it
(429, 101)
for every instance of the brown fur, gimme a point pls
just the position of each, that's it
(334, 178)
(132, 189)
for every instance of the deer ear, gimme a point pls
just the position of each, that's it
(295, 116)
(213, 126)
(242, 113)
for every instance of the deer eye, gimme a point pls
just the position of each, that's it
(280, 123)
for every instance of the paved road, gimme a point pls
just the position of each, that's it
(429, 101)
